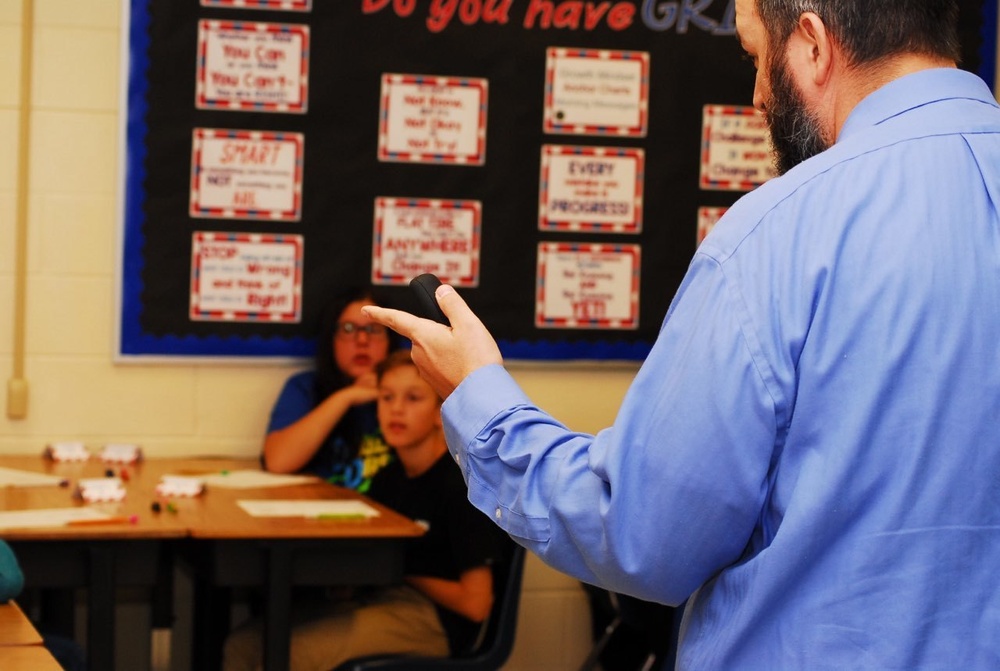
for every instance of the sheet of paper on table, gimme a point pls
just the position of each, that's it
(321, 508)
(248, 479)
(48, 517)
(13, 477)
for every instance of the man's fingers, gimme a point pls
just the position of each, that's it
(454, 306)
(401, 322)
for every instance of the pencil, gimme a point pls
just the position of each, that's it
(131, 519)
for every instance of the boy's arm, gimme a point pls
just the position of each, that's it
(471, 596)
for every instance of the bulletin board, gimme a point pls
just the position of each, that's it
(557, 161)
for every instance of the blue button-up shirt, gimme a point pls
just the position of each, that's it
(811, 451)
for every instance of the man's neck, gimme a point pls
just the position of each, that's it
(858, 82)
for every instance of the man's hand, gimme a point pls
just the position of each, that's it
(444, 356)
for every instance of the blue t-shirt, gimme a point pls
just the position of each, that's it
(811, 451)
(352, 453)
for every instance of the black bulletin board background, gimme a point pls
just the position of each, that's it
(692, 64)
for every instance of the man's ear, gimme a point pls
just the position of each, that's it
(815, 47)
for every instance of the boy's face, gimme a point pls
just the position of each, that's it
(408, 409)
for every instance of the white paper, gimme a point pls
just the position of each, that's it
(249, 479)
(47, 517)
(306, 508)
(12, 477)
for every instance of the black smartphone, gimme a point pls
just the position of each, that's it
(423, 287)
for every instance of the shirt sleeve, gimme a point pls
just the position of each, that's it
(666, 497)
(296, 400)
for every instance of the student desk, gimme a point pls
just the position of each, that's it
(228, 548)
(100, 558)
(27, 658)
(214, 539)
(15, 627)
(20, 643)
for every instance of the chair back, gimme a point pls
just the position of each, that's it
(496, 639)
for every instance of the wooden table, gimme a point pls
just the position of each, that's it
(214, 538)
(16, 628)
(228, 548)
(99, 558)
(20, 643)
(27, 658)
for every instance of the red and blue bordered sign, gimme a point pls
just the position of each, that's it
(252, 67)
(596, 92)
(428, 119)
(246, 277)
(587, 286)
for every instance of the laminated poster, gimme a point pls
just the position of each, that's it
(426, 119)
(416, 236)
(587, 286)
(282, 5)
(735, 149)
(596, 189)
(246, 277)
(246, 175)
(596, 92)
(257, 67)
(707, 218)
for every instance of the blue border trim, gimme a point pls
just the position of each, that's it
(135, 176)
(566, 351)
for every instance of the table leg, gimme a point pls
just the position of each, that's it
(58, 611)
(210, 624)
(101, 608)
(277, 608)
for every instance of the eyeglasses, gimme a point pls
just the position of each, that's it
(351, 330)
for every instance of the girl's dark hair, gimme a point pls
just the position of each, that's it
(329, 378)
(870, 31)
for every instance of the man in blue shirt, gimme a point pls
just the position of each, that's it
(810, 455)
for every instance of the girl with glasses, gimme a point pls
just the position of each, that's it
(324, 421)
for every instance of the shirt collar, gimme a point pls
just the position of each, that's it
(914, 90)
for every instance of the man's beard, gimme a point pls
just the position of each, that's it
(795, 132)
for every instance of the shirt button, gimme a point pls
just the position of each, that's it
(498, 514)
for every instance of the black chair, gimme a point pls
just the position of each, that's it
(637, 635)
(495, 642)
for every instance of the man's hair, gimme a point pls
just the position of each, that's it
(870, 30)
